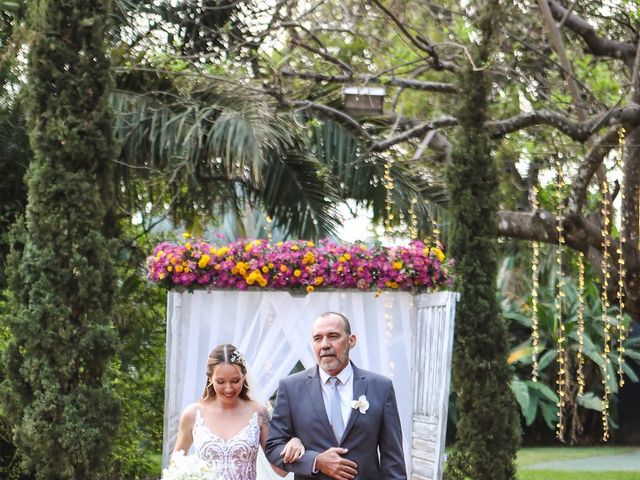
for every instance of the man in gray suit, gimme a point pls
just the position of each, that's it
(346, 418)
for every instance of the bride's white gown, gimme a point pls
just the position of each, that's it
(235, 458)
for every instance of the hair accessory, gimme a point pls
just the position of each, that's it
(236, 357)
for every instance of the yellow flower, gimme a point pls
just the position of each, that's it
(187, 246)
(161, 275)
(159, 254)
(397, 265)
(295, 247)
(265, 269)
(255, 276)
(270, 265)
(187, 269)
(217, 267)
(186, 235)
(248, 247)
(283, 268)
(310, 244)
(347, 256)
(279, 244)
(169, 268)
(438, 253)
(342, 259)
(297, 273)
(222, 251)
(179, 268)
(204, 261)
(318, 280)
(310, 288)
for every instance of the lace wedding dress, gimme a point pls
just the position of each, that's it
(234, 459)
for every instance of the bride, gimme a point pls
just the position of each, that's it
(225, 426)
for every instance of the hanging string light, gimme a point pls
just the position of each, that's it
(388, 202)
(605, 210)
(621, 266)
(269, 228)
(562, 383)
(580, 354)
(413, 218)
(535, 280)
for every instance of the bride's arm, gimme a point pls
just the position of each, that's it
(291, 452)
(184, 439)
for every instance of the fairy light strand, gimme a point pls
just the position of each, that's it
(269, 228)
(580, 314)
(621, 265)
(605, 210)
(535, 280)
(388, 202)
(413, 217)
(562, 378)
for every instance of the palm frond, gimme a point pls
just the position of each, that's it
(299, 194)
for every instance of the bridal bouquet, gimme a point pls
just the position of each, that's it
(188, 467)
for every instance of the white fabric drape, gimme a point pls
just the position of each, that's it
(273, 331)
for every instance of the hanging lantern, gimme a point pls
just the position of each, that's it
(364, 101)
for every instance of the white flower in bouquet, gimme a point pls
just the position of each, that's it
(188, 467)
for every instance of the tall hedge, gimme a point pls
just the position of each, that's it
(60, 272)
(488, 427)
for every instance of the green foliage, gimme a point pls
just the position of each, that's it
(62, 337)
(15, 154)
(487, 431)
(539, 399)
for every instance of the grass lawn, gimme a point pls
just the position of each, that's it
(532, 456)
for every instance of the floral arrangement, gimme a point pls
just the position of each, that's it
(299, 265)
(188, 467)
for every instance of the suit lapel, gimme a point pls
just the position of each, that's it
(314, 389)
(359, 388)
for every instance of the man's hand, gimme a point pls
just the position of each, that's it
(331, 463)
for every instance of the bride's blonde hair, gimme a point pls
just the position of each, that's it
(230, 355)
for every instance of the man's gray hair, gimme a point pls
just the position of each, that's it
(347, 324)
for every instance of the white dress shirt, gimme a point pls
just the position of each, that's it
(345, 390)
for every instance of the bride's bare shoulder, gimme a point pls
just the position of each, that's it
(189, 412)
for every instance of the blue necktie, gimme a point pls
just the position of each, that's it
(336, 410)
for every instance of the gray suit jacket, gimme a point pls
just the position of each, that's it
(374, 438)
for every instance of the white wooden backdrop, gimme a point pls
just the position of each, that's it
(406, 337)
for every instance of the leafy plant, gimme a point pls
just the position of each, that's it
(538, 400)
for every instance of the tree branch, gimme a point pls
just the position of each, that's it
(588, 167)
(393, 81)
(417, 41)
(323, 54)
(596, 45)
(417, 131)
(579, 131)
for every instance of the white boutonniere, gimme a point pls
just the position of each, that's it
(361, 404)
